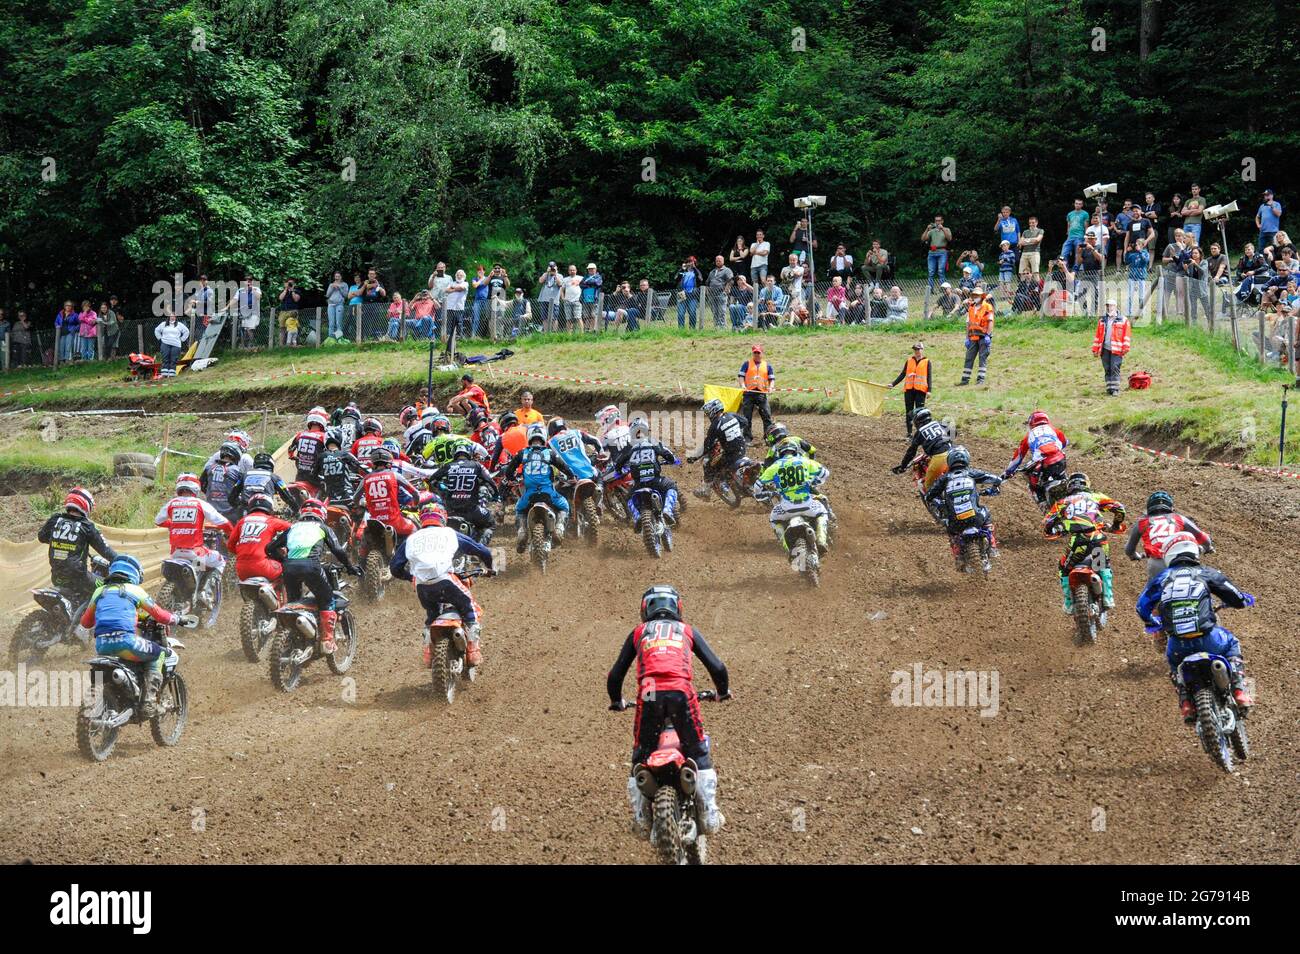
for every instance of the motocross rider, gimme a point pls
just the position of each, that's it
(372, 436)
(300, 549)
(70, 536)
(794, 479)
(250, 536)
(1156, 529)
(464, 484)
(727, 430)
(340, 472)
(1079, 515)
(643, 458)
(307, 446)
(539, 464)
(220, 479)
(662, 647)
(386, 492)
(1044, 446)
(1179, 604)
(185, 516)
(931, 438)
(262, 479)
(957, 493)
(614, 433)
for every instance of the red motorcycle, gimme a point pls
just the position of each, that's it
(617, 490)
(732, 485)
(262, 600)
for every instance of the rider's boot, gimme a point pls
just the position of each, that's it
(1238, 676)
(473, 647)
(561, 519)
(149, 698)
(327, 620)
(823, 537)
(428, 647)
(640, 809)
(706, 801)
(1108, 587)
(1068, 605)
(670, 508)
(702, 492)
(521, 541)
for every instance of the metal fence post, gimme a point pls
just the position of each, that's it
(58, 332)
(1262, 330)
(318, 337)
(358, 334)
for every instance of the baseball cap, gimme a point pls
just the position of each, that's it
(757, 349)
(946, 285)
(918, 346)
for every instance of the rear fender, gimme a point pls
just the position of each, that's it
(181, 573)
(582, 490)
(52, 601)
(646, 499)
(542, 512)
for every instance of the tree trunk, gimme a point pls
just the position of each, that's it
(1149, 29)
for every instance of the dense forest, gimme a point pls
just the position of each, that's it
(139, 138)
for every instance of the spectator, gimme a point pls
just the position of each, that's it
(291, 329)
(917, 380)
(111, 322)
(67, 324)
(689, 283)
(1076, 230)
(855, 306)
(1099, 232)
(87, 331)
(877, 307)
(1007, 228)
(20, 341)
(336, 297)
(1031, 245)
(1268, 219)
(1091, 265)
(521, 314)
(1198, 286)
(1193, 212)
(759, 253)
(719, 283)
(396, 312)
(248, 305)
(1175, 218)
(1251, 269)
(592, 283)
(1029, 295)
(203, 299)
(979, 335)
(1140, 227)
(1172, 271)
(1119, 230)
(947, 304)
(498, 292)
(373, 293)
(1274, 253)
(1138, 262)
(799, 245)
(876, 264)
(479, 285)
(4, 334)
(972, 258)
(289, 298)
(1006, 269)
(936, 236)
(438, 284)
(792, 281)
(771, 304)
(571, 300)
(354, 297)
(841, 264)
(526, 413)
(1217, 269)
(620, 307)
(1275, 287)
(645, 302)
(1111, 343)
(742, 303)
(896, 306)
(422, 317)
(454, 323)
(837, 300)
(548, 298)
(171, 334)
(756, 378)
(1152, 212)
(738, 257)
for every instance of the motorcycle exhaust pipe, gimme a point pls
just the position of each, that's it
(120, 677)
(688, 779)
(306, 626)
(266, 596)
(1222, 679)
(646, 782)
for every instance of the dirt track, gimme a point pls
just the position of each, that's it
(816, 763)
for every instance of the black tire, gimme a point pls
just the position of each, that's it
(167, 727)
(1240, 741)
(372, 576)
(218, 593)
(345, 645)
(1207, 724)
(285, 676)
(167, 598)
(727, 493)
(96, 746)
(648, 535)
(256, 628)
(31, 628)
(1085, 625)
(537, 545)
(697, 852)
(969, 555)
(668, 826)
(590, 517)
(812, 561)
(444, 683)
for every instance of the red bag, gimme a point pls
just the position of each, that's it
(1139, 380)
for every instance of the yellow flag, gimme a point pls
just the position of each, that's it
(730, 397)
(864, 397)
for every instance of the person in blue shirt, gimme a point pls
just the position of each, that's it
(1138, 261)
(1076, 229)
(689, 281)
(571, 444)
(538, 464)
(1007, 227)
(1268, 219)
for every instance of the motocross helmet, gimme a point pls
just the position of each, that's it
(265, 461)
(536, 433)
(1181, 548)
(475, 417)
(462, 448)
(241, 438)
(661, 602)
(922, 417)
(958, 458)
(1037, 418)
(187, 484)
(229, 451)
(776, 434)
(125, 568)
(640, 429)
(440, 424)
(380, 458)
(788, 448)
(1160, 502)
(428, 414)
(557, 424)
(80, 500)
(431, 515)
(352, 411)
(408, 416)
(1077, 483)
(508, 419)
(261, 503)
(317, 416)
(334, 436)
(712, 408)
(607, 415)
(312, 509)
(393, 447)
(371, 426)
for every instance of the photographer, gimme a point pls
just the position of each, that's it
(937, 237)
(548, 298)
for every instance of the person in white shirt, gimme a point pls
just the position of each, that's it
(758, 255)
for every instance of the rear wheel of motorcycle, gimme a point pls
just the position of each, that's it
(537, 545)
(986, 556)
(1207, 724)
(345, 645)
(697, 852)
(727, 493)
(648, 535)
(255, 629)
(23, 645)
(444, 683)
(590, 521)
(166, 598)
(174, 699)
(96, 743)
(812, 561)
(668, 826)
(285, 675)
(1240, 743)
(1085, 625)
(218, 588)
(372, 576)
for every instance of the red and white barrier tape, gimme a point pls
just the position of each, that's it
(621, 384)
(1246, 468)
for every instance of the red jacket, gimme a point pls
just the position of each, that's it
(663, 656)
(1120, 335)
(380, 492)
(363, 445)
(248, 540)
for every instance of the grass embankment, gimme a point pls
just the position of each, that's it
(1205, 394)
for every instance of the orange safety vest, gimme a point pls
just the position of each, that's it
(756, 376)
(979, 319)
(530, 416)
(917, 375)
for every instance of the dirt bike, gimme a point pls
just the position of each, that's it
(655, 532)
(262, 599)
(57, 621)
(584, 504)
(541, 532)
(117, 698)
(616, 491)
(447, 645)
(731, 484)
(972, 545)
(295, 643)
(1086, 559)
(189, 589)
(342, 519)
(919, 467)
(302, 490)
(667, 781)
(1220, 722)
(375, 543)
(800, 535)
(1045, 488)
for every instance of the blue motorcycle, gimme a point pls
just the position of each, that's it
(1220, 723)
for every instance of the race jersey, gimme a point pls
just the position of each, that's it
(487, 436)
(729, 429)
(69, 539)
(514, 439)
(185, 518)
(961, 496)
(340, 473)
(220, 480)
(249, 537)
(795, 478)
(305, 450)
(664, 648)
(417, 442)
(116, 608)
(642, 461)
(931, 438)
(461, 483)
(1154, 532)
(363, 445)
(1083, 512)
(261, 482)
(616, 436)
(1185, 597)
(306, 540)
(1043, 444)
(441, 449)
(569, 445)
(536, 465)
(431, 552)
(382, 492)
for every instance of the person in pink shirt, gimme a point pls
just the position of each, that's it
(396, 312)
(88, 322)
(421, 320)
(837, 299)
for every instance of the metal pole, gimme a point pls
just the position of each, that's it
(1281, 438)
(429, 382)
